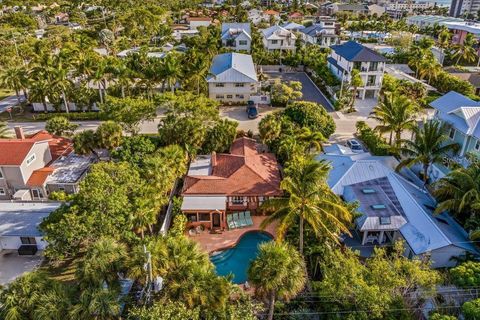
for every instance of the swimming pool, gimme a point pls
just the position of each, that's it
(236, 260)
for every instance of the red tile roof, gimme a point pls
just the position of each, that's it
(14, 151)
(59, 146)
(199, 19)
(245, 171)
(38, 177)
(271, 12)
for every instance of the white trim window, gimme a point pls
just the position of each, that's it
(451, 133)
(31, 159)
(3, 192)
(237, 200)
(477, 145)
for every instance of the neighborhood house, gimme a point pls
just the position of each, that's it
(233, 183)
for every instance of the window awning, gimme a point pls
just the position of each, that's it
(204, 203)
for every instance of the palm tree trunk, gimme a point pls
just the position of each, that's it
(271, 306)
(142, 234)
(100, 93)
(65, 102)
(425, 172)
(391, 138)
(45, 108)
(17, 94)
(300, 244)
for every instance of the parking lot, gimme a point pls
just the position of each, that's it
(310, 91)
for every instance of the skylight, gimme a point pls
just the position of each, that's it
(385, 220)
(378, 206)
(368, 191)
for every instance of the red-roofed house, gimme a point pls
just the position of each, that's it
(29, 165)
(218, 184)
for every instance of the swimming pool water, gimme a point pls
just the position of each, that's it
(236, 260)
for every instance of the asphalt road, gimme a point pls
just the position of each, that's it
(8, 102)
(309, 89)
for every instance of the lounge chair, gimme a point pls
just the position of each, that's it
(236, 220)
(230, 222)
(241, 218)
(248, 218)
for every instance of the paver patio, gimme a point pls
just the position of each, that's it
(13, 265)
(215, 242)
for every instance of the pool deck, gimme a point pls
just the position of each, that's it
(215, 242)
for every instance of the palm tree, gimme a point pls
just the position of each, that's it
(62, 83)
(277, 272)
(355, 82)
(429, 146)
(39, 90)
(459, 192)
(85, 142)
(396, 113)
(14, 78)
(466, 51)
(4, 131)
(308, 199)
(171, 70)
(312, 139)
(98, 78)
(429, 68)
(109, 135)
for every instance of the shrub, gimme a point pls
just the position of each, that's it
(471, 309)
(79, 116)
(311, 115)
(438, 316)
(374, 142)
(466, 274)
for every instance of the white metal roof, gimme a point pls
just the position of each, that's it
(233, 67)
(204, 203)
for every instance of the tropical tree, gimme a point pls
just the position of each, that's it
(466, 50)
(308, 199)
(14, 78)
(109, 135)
(85, 142)
(430, 145)
(277, 272)
(60, 126)
(355, 82)
(4, 131)
(395, 113)
(459, 192)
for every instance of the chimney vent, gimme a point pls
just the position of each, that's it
(19, 132)
(214, 159)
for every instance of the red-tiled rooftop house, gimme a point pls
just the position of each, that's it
(219, 184)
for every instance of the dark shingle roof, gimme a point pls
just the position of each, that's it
(354, 51)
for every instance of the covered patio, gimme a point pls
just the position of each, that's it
(211, 242)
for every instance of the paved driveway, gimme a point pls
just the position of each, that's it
(239, 114)
(310, 91)
(13, 265)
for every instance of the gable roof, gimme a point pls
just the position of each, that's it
(59, 146)
(232, 67)
(293, 26)
(244, 171)
(354, 51)
(314, 30)
(422, 231)
(277, 32)
(14, 151)
(233, 30)
(459, 111)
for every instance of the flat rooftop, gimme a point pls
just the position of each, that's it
(200, 166)
(70, 169)
(18, 219)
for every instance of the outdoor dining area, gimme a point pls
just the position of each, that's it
(239, 220)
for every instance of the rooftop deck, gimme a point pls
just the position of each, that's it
(215, 242)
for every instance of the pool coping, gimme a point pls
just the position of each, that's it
(219, 250)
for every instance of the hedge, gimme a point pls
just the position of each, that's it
(374, 142)
(70, 116)
(466, 274)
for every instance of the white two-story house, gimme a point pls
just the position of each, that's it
(278, 38)
(237, 36)
(352, 55)
(233, 78)
(322, 34)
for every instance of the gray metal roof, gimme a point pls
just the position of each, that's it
(423, 231)
(21, 219)
(277, 32)
(70, 169)
(460, 111)
(233, 30)
(232, 67)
